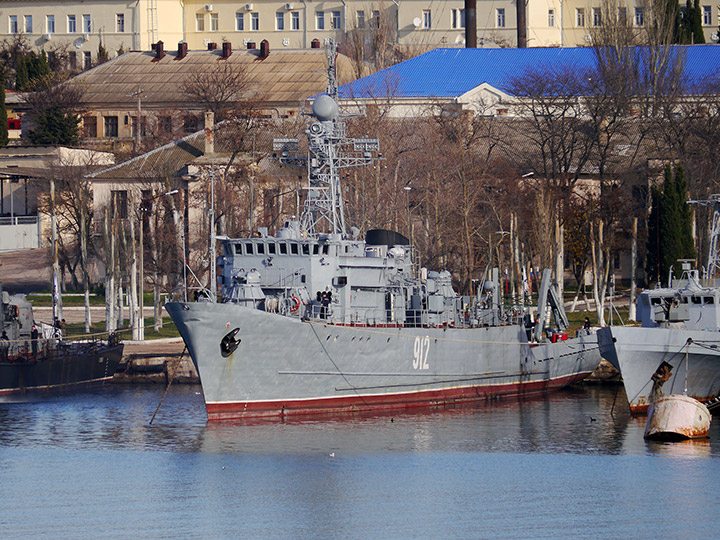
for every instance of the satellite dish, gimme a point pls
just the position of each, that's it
(417, 22)
(714, 37)
(78, 43)
(460, 39)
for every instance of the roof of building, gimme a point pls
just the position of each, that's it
(448, 73)
(284, 76)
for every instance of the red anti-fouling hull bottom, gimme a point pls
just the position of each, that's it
(385, 402)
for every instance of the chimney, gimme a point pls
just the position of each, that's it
(264, 48)
(159, 50)
(209, 133)
(315, 44)
(227, 49)
(182, 50)
(470, 24)
(212, 46)
(251, 45)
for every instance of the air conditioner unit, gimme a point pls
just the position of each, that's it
(208, 7)
(289, 6)
(248, 7)
(588, 38)
(86, 37)
(47, 37)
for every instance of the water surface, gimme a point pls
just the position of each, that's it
(572, 465)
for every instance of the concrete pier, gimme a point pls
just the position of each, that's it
(156, 361)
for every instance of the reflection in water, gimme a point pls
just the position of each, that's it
(572, 465)
(580, 420)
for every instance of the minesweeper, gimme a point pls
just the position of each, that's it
(319, 320)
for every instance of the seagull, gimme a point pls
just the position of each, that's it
(332, 454)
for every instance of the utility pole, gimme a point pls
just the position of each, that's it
(137, 93)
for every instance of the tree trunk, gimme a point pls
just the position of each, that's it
(84, 265)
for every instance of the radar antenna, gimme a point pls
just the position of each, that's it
(329, 151)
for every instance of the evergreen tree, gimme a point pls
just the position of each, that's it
(4, 139)
(697, 30)
(669, 227)
(652, 268)
(21, 75)
(56, 126)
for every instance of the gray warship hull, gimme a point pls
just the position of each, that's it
(287, 366)
(638, 352)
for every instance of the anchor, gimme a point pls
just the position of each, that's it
(228, 344)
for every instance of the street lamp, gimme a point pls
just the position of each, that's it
(407, 203)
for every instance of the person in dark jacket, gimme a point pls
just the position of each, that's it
(34, 334)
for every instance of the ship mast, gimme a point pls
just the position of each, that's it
(329, 151)
(713, 264)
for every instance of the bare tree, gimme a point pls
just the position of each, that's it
(219, 88)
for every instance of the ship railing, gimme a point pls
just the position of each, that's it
(373, 316)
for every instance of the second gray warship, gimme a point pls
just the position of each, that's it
(329, 322)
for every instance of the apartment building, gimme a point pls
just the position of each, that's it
(80, 26)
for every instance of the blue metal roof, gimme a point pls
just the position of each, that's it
(452, 72)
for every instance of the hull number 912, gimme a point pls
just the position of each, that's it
(420, 352)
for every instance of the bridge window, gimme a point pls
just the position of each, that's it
(249, 249)
(271, 248)
(709, 300)
(316, 249)
(294, 248)
(238, 249)
(306, 249)
(283, 248)
(261, 249)
(696, 300)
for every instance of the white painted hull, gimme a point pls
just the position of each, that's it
(677, 417)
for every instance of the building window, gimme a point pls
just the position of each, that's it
(427, 19)
(707, 15)
(72, 26)
(87, 24)
(360, 19)
(579, 16)
(320, 20)
(239, 22)
(90, 126)
(72, 59)
(50, 24)
(111, 126)
(88, 59)
(376, 18)
(190, 124)
(255, 21)
(200, 22)
(622, 16)
(295, 19)
(280, 20)
(13, 23)
(639, 19)
(336, 20)
(597, 16)
(500, 17)
(120, 203)
(28, 24)
(165, 124)
(214, 22)
(120, 22)
(457, 19)
(551, 17)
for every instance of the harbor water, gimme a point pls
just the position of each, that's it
(570, 465)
